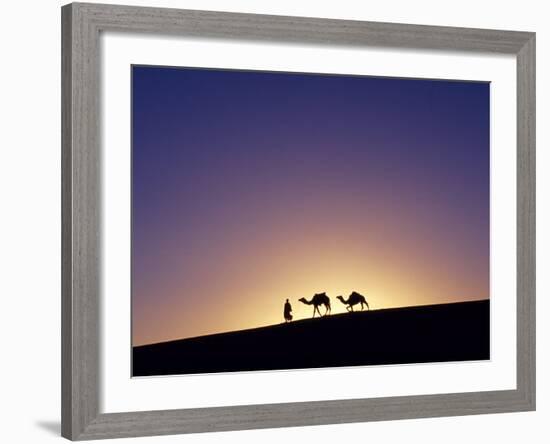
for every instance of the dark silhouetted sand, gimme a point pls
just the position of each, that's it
(435, 333)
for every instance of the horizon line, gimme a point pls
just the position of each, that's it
(308, 319)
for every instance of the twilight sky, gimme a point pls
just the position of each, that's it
(252, 187)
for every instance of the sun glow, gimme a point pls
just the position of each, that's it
(249, 289)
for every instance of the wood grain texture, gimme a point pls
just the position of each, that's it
(300, 29)
(526, 221)
(66, 224)
(119, 425)
(81, 235)
(80, 220)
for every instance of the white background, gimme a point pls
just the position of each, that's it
(30, 222)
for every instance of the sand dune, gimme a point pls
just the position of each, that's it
(435, 333)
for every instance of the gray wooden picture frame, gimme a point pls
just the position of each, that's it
(81, 235)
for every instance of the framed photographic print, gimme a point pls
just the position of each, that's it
(279, 221)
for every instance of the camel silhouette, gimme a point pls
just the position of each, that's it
(353, 299)
(317, 300)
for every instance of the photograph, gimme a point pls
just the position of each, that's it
(284, 220)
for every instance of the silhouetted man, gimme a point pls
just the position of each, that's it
(288, 311)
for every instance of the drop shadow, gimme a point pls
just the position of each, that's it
(53, 427)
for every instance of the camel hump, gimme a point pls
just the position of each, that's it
(321, 298)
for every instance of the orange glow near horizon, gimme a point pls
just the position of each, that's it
(245, 286)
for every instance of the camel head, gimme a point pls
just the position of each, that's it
(341, 299)
(303, 300)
